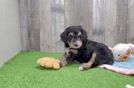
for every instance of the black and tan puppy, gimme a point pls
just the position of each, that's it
(88, 53)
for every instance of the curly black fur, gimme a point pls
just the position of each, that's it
(84, 53)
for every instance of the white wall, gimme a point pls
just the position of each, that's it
(10, 36)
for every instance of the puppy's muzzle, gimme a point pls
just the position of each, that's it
(76, 44)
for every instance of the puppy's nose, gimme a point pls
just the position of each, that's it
(75, 45)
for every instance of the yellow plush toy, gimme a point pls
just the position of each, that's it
(49, 62)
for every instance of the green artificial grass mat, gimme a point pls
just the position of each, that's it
(23, 72)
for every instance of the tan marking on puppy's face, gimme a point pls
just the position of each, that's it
(75, 40)
(77, 44)
(71, 34)
(79, 33)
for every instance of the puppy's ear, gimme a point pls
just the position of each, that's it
(63, 36)
(84, 33)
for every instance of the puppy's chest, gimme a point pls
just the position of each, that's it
(83, 56)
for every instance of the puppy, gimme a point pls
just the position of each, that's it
(88, 53)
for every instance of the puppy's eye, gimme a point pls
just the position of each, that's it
(118, 54)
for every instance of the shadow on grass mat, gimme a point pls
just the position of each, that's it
(23, 72)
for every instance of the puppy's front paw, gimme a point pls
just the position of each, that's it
(85, 66)
(104, 66)
(81, 68)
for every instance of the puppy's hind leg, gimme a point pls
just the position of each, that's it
(89, 63)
